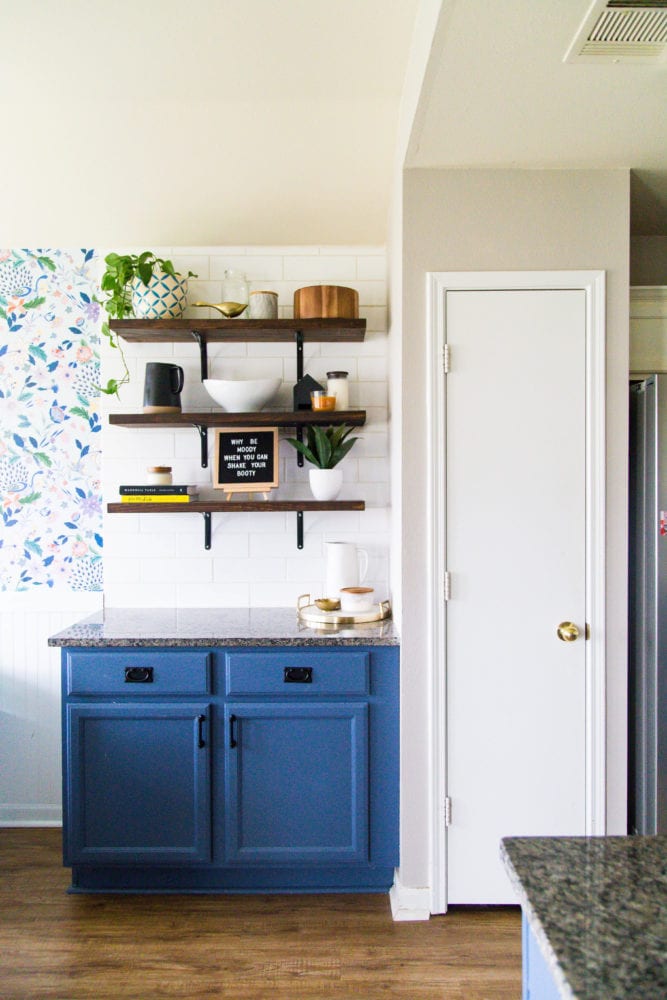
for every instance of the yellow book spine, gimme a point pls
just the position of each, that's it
(156, 498)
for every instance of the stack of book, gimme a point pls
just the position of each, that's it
(145, 493)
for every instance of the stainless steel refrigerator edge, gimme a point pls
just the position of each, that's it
(647, 692)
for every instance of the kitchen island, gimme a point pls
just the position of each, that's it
(228, 750)
(594, 916)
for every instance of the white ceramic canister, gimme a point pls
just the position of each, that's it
(356, 599)
(337, 385)
(347, 566)
(263, 305)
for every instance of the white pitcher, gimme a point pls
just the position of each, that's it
(347, 565)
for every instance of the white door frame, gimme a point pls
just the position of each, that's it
(439, 283)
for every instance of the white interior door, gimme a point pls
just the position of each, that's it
(516, 426)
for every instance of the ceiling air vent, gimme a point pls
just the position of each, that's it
(621, 31)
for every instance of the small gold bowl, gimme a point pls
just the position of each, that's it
(327, 604)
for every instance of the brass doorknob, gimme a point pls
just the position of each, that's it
(567, 631)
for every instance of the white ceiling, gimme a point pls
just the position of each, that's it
(498, 94)
(158, 122)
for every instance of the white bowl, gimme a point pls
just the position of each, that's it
(238, 395)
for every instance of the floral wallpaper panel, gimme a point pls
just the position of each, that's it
(50, 533)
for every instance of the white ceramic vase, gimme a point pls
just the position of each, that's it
(325, 484)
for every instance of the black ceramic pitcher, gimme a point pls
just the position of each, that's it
(162, 387)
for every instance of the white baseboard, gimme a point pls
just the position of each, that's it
(30, 815)
(409, 902)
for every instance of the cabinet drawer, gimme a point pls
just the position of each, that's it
(137, 673)
(297, 673)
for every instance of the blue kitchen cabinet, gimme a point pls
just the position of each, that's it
(138, 786)
(296, 783)
(136, 757)
(245, 769)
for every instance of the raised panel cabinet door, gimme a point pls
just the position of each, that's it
(296, 783)
(137, 784)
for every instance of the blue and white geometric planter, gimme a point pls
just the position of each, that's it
(164, 298)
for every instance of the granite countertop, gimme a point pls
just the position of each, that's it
(215, 627)
(598, 908)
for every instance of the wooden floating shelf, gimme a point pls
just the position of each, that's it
(220, 418)
(233, 506)
(234, 330)
(208, 507)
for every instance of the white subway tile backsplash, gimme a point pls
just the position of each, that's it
(149, 545)
(303, 568)
(284, 544)
(213, 595)
(372, 470)
(372, 369)
(254, 266)
(321, 270)
(181, 570)
(372, 267)
(266, 595)
(371, 293)
(198, 263)
(357, 251)
(257, 569)
(224, 544)
(160, 560)
(137, 595)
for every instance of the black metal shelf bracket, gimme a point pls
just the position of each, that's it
(299, 529)
(203, 441)
(206, 514)
(299, 456)
(203, 353)
(298, 336)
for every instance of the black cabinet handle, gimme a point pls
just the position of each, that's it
(138, 675)
(201, 719)
(232, 739)
(298, 675)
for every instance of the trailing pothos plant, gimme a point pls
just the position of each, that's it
(325, 447)
(121, 271)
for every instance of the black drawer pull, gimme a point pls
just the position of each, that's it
(298, 675)
(138, 675)
(201, 719)
(232, 738)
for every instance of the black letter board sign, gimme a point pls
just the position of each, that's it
(246, 459)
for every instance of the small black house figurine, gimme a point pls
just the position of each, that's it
(302, 391)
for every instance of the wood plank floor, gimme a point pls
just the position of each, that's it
(246, 947)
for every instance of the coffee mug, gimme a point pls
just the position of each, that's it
(162, 387)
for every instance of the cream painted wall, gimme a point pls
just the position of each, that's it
(506, 220)
(213, 123)
(648, 260)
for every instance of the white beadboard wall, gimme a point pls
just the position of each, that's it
(159, 560)
(30, 782)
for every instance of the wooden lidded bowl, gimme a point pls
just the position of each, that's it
(326, 302)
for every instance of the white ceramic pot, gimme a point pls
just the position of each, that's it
(165, 297)
(356, 599)
(325, 484)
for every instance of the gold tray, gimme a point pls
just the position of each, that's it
(309, 612)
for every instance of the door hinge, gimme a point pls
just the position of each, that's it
(448, 811)
(447, 586)
(445, 359)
